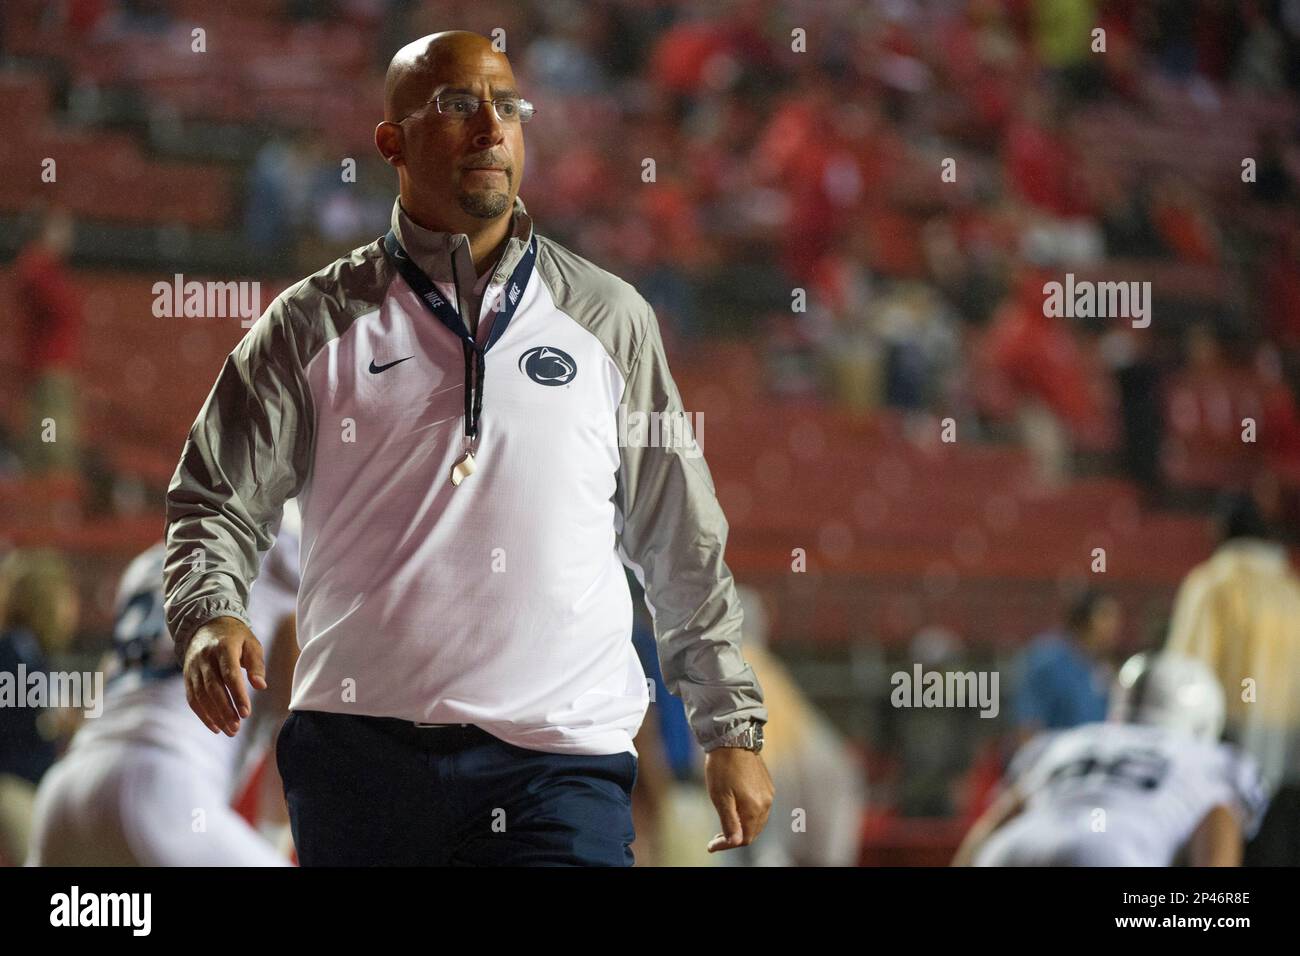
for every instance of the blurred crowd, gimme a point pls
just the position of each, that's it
(877, 193)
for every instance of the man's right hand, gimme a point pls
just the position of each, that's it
(214, 685)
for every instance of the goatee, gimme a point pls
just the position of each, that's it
(484, 205)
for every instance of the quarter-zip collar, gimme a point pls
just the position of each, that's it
(446, 257)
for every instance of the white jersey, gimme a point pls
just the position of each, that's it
(1110, 794)
(145, 695)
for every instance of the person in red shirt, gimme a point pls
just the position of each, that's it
(1042, 160)
(51, 317)
(1039, 368)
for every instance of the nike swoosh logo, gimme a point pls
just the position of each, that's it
(374, 369)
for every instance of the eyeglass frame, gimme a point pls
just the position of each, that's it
(478, 104)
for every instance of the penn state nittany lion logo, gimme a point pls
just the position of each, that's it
(548, 366)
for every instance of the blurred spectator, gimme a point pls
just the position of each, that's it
(1042, 161)
(680, 754)
(284, 187)
(1130, 357)
(666, 749)
(820, 791)
(651, 792)
(966, 269)
(347, 214)
(1240, 613)
(1260, 61)
(694, 54)
(1279, 295)
(1126, 219)
(1063, 37)
(17, 794)
(1274, 181)
(1174, 37)
(936, 744)
(51, 312)
(662, 242)
(921, 341)
(561, 57)
(1039, 375)
(82, 17)
(1183, 222)
(795, 153)
(1219, 31)
(39, 622)
(1279, 422)
(1065, 676)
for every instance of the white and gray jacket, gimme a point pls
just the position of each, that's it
(501, 602)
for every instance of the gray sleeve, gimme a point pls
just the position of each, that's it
(672, 536)
(249, 450)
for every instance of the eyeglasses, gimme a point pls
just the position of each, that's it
(462, 106)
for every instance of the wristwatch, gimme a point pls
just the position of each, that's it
(750, 738)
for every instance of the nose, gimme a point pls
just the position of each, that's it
(489, 130)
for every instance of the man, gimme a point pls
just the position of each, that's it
(51, 345)
(1065, 677)
(135, 780)
(465, 508)
(1239, 612)
(1151, 787)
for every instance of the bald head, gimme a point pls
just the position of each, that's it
(460, 171)
(419, 67)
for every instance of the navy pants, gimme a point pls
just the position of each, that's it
(371, 791)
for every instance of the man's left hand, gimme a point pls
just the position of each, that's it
(741, 791)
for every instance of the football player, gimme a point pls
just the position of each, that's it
(146, 783)
(1151, 786)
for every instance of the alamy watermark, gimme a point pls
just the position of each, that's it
(672, 429)
(921, 688)
(207, 300)
(75, 908)
(73, 689)
(1085, 299)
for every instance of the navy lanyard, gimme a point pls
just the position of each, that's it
(448, 316)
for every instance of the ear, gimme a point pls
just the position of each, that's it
(388, 140)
